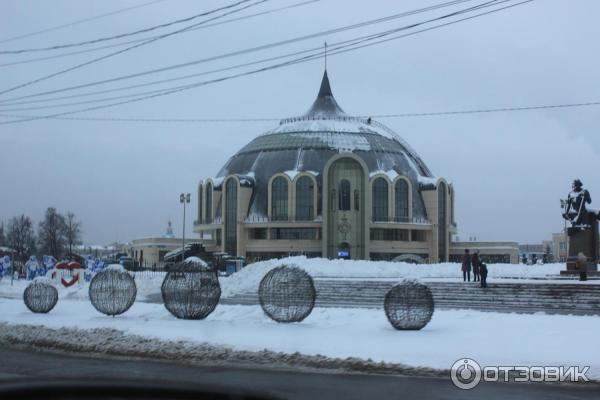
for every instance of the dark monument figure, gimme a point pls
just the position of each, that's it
(583, 232)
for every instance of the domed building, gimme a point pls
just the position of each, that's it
(326, 184)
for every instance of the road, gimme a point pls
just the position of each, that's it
(18, 364)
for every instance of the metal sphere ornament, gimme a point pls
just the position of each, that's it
(409, 305)
(191, 289)
(112, 291)
(287, 294)
(40, 296)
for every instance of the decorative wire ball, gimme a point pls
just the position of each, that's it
(287, 294)
(409, 305)
(191, 290)
(40, 296)
(112, 291)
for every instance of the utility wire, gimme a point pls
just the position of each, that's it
(275, 66)
(245, 51)
(274, 10)
(81, 21)
(113, 37)
(377, 116)
(95, 60)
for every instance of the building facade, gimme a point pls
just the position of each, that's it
(327, 184)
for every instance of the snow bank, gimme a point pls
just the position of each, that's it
(489, 338)
(248, 279)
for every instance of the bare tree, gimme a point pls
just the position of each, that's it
(72, 231)
(20, 236)
(2, 238)
(51, 233)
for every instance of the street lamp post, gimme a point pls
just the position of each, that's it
(183, 199)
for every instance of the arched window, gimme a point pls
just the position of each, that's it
(380, 200)
(442, 226)
(200, 203)
(209, 201)
(305, 190)
(279, 199)
(344, 196)
(231, 217)
(401, 200)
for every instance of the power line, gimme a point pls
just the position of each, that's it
(274, 10)
(311, 57)
(95, 60)
(81, 21)
(378, 116)
(113, 37)
(245, 51)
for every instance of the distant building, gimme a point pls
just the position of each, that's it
(152, 250)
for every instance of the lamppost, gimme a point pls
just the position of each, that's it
(183, 198)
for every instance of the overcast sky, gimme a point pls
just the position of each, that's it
(123, 179)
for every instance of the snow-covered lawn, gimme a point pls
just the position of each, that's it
(489, 338)
(249, 278)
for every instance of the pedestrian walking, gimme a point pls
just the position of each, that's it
(466, 266)
(475, 263)
(581, 265)
(483, 271)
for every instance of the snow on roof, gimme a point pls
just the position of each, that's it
(196, 260)
(6, 249)
(391, 174)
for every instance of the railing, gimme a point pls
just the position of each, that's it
(401, 220)
(263, 220)
(208, 221)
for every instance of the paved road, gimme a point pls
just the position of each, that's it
(15, 364)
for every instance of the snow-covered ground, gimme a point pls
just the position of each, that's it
(489, 338)
(249, 278)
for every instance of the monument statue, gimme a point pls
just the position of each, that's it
(583, 232)
(575, 210)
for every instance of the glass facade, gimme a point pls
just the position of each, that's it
(293, 233)
(279, 199)
(231, 190)
(442, 226)
(200, 203)
(305, 190)
(401, 194)
(209, 195)
(380, 200)
(344, 196)
(400, 235)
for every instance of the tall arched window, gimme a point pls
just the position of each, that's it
(380, 200)
(305, 190)
(442, 227)
(231, 217)
(401, 200)
(279, 199)
(209, 196)
(344, 196)
(200, 203)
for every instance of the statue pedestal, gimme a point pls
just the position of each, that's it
(586, 242)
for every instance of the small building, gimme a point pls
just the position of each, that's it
(151, 251)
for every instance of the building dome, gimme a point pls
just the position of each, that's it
(331, 185)
(306, 143)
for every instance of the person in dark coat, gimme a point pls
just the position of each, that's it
(475, 264)
(581, 265)
(466, 266)
(483, 271)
